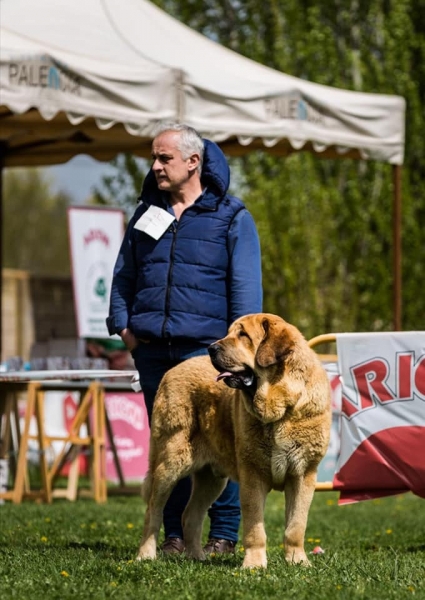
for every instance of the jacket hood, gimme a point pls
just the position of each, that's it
(215, 172)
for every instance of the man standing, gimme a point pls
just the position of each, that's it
(189, 265)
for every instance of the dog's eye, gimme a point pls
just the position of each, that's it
(242, 334)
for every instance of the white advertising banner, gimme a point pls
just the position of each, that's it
(95, 236)
(328, 464)
(382, 415)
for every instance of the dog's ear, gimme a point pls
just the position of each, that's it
(276, 343)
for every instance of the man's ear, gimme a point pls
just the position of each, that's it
(193, 162)
(276, 343)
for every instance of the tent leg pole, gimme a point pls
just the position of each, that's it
(397, 247)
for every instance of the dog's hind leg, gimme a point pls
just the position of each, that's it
(206, 488)
(156, 492)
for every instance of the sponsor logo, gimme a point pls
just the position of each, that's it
(97, 286)
(42, 72)
(370, 383)
(121, 408)
(293, 107)
(96, 235)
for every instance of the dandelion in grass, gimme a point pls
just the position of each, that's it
(47, 520)
(43, 539)
(113, 584)
(64, 574)
(411, 588)
(330, 502)
(310, 540)
(130, 525)
(93, 526)
(388, 531)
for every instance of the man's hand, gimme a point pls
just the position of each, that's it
(129, 339)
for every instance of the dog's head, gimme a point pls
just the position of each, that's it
(255, 346)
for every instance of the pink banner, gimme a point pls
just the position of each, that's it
(130, 428)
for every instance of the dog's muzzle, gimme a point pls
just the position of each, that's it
(243, 378)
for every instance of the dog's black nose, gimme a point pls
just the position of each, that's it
(213, 350)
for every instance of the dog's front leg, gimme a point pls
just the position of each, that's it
(253, 495)
(298, 496)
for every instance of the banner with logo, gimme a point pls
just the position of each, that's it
(328, 464)
(130, 428)
(382, 415)
(95, 237)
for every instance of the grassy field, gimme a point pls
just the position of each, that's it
(374, 550)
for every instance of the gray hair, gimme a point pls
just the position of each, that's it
(190, 141)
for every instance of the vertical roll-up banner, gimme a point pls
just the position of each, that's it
(95, 236)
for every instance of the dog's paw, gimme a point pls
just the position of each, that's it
(195, 553)
(255, 559)
(147, 552)
(145, 557)
(297, 557)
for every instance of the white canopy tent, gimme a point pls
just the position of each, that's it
(96, 76)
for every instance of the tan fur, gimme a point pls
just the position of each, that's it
(271, 439)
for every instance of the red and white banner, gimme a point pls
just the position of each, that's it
(382, 415)
(95, 236)
(328, 464)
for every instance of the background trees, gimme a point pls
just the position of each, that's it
(325, 225)
(35, 231)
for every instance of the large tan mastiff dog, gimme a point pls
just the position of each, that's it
(269, 432)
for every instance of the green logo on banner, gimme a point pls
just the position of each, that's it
(100, 288)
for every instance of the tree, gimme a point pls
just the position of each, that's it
(327, 236)
(35, 227)
(123, 188)
(325, 225)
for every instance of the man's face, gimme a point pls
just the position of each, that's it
(170, 169)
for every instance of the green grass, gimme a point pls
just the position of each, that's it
(374, 550)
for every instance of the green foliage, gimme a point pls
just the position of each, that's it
(123, 188)
(35, 235)
(373, 551)
(326, 226)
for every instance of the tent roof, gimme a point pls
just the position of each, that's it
(96, 76)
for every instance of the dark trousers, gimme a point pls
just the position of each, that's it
(152, 360)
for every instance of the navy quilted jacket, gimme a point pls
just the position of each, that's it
(201, 274)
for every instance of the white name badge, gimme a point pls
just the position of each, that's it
(155, 221)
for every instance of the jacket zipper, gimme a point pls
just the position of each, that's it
(173, 228)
